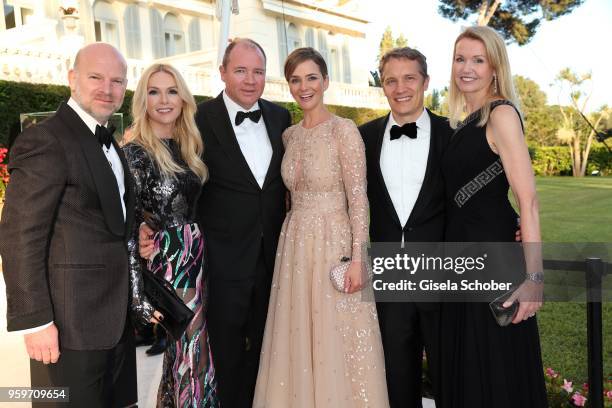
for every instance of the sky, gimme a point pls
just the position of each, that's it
(581, 41)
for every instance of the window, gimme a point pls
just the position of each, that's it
(346, 62)
(282, 43)
(9, 16)
(105, 23)
(310, 37)
(195, 39)
(334, 65)
(174, 38)
(293, 38)
(132, 31)
(15, 16)
(157, 35)
(322, 34)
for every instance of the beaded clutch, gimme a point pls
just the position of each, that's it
(337, 273)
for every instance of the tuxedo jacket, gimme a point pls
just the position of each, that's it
(426, 221)
(238, 216)
(63, 235)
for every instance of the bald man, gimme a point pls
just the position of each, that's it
(67, 216)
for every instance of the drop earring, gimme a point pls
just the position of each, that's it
(495, 84)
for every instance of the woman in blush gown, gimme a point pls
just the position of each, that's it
(163, 153)
(485, 365)
(322, 347)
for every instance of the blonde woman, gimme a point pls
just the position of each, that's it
(163, 153)
(483, 364)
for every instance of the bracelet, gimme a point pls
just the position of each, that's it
(537, 277)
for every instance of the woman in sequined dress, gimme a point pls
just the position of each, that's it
(321, 347)
(163, 154)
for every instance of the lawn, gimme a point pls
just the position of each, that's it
(574, 210)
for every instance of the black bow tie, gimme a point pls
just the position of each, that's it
(105, 135)
(253, 115)
(408, 129)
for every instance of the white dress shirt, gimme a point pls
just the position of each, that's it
(113, 161)
(403, 163)
(111, 153)
(252, 138)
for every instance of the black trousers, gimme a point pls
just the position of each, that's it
(95, 378)
(236, 318)
(406, 328)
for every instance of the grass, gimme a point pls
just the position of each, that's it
(574, 210)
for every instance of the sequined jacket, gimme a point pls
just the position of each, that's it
(170, 200)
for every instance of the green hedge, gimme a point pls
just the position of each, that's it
(21, 97)
(557, 161)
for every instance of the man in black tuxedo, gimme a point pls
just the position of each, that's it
(406, 194)
(65, 224)
(241, 211)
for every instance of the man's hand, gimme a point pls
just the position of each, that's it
(43, 345)
(145, 241)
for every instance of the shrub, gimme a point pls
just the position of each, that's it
(556, 160)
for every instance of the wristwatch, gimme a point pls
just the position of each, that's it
(537, 277)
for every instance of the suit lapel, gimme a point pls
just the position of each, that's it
(219, 120)
(432, 162)
(128, 197)
(274, 134)
(101, 172)
(380, 134)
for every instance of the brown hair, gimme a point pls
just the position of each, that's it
(407, 53)
(246, 41)
(300, 55)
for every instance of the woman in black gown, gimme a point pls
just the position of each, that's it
(486, 365)
(163, 153)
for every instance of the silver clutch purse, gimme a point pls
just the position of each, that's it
(337, 273)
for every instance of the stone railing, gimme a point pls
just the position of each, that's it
(52, 68)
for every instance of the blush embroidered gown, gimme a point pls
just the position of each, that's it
(188, 379)
(321, 348)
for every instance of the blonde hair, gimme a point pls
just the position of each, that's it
(186, 133)
(497, 57)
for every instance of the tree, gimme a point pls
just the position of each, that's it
(401, 41)
(515, 20)
(573, 130)
(433, 101)
(437, 102)
(387, 43)
(541, 120)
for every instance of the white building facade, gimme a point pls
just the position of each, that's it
(38, 40)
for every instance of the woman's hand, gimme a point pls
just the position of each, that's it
(145, 241)
(157, 317)
(529, 295)
(353, 279)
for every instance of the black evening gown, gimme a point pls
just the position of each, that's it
(483, 365)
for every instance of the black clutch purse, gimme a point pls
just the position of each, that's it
(164, 299)
(503, 315)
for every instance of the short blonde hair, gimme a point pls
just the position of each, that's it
(186, 132)
(497, 57)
